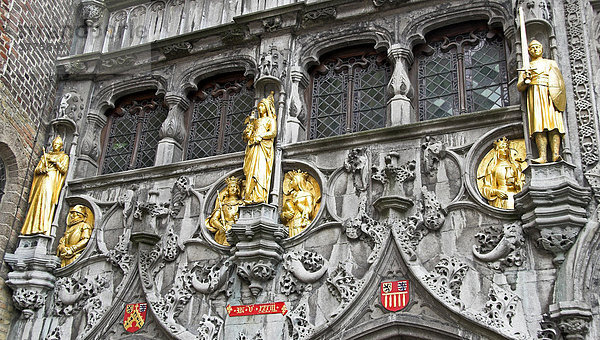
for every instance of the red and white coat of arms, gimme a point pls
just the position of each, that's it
(395, 295)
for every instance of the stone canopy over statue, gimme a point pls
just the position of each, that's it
(544, 88)
(48, 179)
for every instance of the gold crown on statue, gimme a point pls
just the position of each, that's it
(501, 142)
(233, 180)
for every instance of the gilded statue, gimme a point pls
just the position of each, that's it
(500, 173)
(301, 197)
(225, 213)
(80, 223)
(544, 86)
(48, 179)
(258, 162)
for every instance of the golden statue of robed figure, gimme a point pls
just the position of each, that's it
(226, 210)
(301, 197)
(80, 223)
(260, 134)
(48, 179)
(544, 86)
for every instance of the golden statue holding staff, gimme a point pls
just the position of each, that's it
(226, 210)
(48, 179)
(80, 223)
(301, 197)
(500, 173)
(258, 163)
(544, 86)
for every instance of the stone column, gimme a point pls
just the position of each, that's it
(399, 107)
(87, 160)
(294, 126)
(93, 13)
(172, 131)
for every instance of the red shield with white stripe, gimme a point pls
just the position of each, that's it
(394, 295)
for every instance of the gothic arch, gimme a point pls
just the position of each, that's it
(192, 76)
(105, 98)
(414, 31)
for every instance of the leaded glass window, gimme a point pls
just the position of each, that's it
(2, 178)
(218, 113)
(348, 94)
(461, 73)
(133, 133)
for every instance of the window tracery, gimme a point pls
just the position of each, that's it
(217, 117)
(348, 93)
(132, 133)
(461, 72)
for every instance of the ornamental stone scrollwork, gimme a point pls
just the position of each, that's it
(169, 306)
(71, 106)
(210, 279)
(409, 232)
(447, 280)
(91, 12)
(343, 286)
(170, 245)
(300, 327)
(257, 274)
(379, 3)
(273, 63)
(177, 50)
(119, 255)
(116, 62)
(500, 248)
(321, 14)
(257, 336)
(500, 307)
(393, 174)
(302, 269)
(548, 329)
(432, 152)
(210, 327)
(28, 300)
(357, 164)
(72, 295)
(55, 334)
(179, 192)
(364, 227)
(580, 74)
(272, 24)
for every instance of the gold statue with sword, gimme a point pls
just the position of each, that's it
(544, 87)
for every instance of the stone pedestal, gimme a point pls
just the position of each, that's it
(255, 241)
(392, 207)
(168, 151)
(553, 207)
(31, 279)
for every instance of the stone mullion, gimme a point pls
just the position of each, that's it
(172, 132)
(399, 107)
(88, 159)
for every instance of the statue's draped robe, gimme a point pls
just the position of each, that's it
(299, 207)
(44, 194)
(496, 179)
(258, 162)
(546, 97)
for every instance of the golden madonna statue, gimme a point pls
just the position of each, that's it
(301, 197)
(546, 100)
(500, 173)
(48, 179)
(258, 163)
(80, 223)
(226, 210)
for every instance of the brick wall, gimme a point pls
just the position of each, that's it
(32, 35)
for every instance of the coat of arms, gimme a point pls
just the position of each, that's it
(135, 316)
(394, 295)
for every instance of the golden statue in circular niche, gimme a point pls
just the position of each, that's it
(226, 211)
(500, 173)
(80, 222)
(301, 201)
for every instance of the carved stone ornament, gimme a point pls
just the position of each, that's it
(273, 63)
(177, 50)
(536, 9)
(500, 307)
(299, 325)
(210, 279)
(210, 326)
(343, 286)
(357, 164)
(119, 255)
(429, 216)
(72, 295)
(71, 106)
(169, 306)
(432, 152)
(91, 12)
(28, 300)
(257, 274)
(446, 281)
(302, 269)
(500, 248)
(272, 24)
(322, 13)
(365, 228)
(116, 62)
(393, 171)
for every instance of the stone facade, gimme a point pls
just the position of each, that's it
(396, 203)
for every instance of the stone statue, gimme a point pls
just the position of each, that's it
(225, 212)
(301, 196)
(258, 163)
(80, 223)
(546, 100)
(48, 179)
(501, 176)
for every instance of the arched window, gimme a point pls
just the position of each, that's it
(348, 92)
(461, 70)
(132, 133)
(217, 118)
(2, 178)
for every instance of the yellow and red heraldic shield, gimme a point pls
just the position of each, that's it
(395, 295)
(135, 316)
